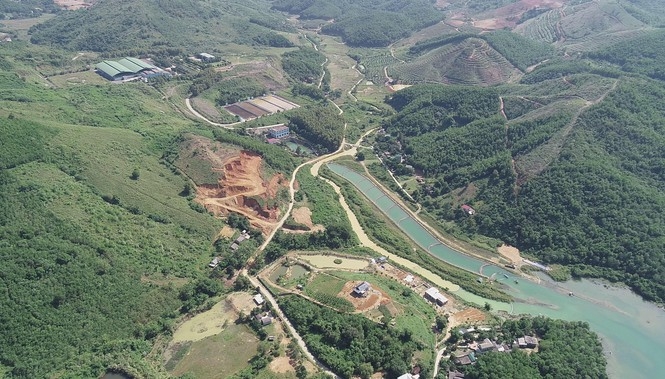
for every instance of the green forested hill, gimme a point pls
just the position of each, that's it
(121, 25)
(565, 180)
(95, 264)
(366, 23)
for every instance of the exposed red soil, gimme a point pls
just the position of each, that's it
(362, 304)
(242, 189)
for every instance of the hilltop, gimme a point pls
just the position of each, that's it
(116, 26)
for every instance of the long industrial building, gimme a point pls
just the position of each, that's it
(128, 68)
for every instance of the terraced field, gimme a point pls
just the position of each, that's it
(585, 27)
(469, 62)
(372, 66)
(543, 28)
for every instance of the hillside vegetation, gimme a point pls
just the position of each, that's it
(366, 23)
(114, 27)
(101, 251)
(469, 61)
(563, 180)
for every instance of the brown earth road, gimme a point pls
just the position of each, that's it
(268, 296)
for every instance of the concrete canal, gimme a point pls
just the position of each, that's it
(632, 330)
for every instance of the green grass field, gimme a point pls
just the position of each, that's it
(212, 357)
(326, 284)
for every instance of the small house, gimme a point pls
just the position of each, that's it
(465, 359)
(433, 295)
(531, 342)
(258, 299)
(234, 246)
(279, 132)
(455, 375)
(468, 210)
(264, 319)
(214, 263)
(362, 289)
(521, 343)
(486, 345)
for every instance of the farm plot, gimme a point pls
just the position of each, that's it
(261, 106)
(265, 105)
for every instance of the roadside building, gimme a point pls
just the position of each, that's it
(279, 132)
(258, 299)
(432, 294)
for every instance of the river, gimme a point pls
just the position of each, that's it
(632, 330)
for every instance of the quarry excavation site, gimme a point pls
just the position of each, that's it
(243, 190)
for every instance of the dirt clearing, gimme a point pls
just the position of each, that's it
(468, 316)
(242, 189)
(510, 253)
(72, 5)
(281, 365)
(303, 216)
(372, 300)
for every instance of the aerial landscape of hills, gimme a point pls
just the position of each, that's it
(258, 189)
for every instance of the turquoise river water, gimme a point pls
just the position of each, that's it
(632, 330)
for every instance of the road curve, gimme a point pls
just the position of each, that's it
(202, 117)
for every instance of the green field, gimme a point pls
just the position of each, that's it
(210, 358)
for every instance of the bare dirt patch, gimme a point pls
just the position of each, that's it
(226, 232)
(303, 215)
(509, 15)
(241, 302)
(468, 316)
(242, 189)
(375, 298)
(72, 5)
(511, 253)
(281, 365)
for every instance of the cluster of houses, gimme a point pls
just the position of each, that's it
(479, 347)
(244, 236)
